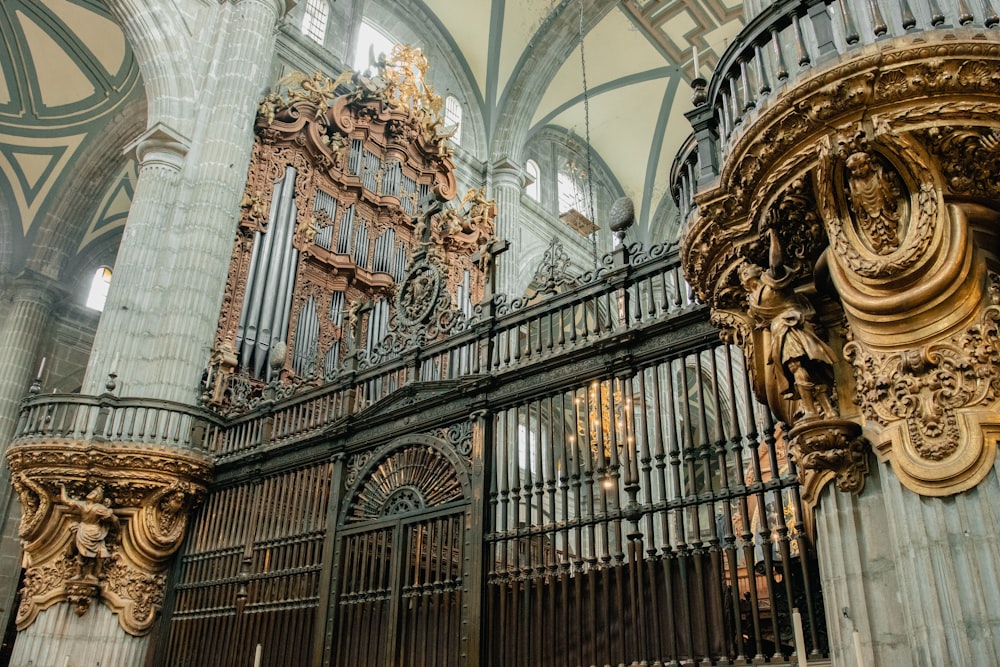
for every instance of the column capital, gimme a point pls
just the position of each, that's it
(100, 522)
(281, 7)
(32, 286)
(160, 145)
(507, 172)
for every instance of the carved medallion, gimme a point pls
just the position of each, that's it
(418, 294)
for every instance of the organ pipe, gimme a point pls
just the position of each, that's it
(267, 300)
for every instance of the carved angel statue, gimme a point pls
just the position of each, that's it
(91, 531)
(874, 202)
(318, 88)
(801, 361)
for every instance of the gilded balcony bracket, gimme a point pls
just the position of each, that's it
(99, 523)
(863, 232)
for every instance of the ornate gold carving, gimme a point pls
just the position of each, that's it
(923, 396)
(797, 381)
(470, 226)
(115, 550)
(829, 449)
(901, 258)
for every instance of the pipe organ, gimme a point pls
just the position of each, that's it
(336, 212)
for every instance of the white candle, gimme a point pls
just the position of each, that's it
(800, 639)
(66, 661)
(41, 367)
(257, 655)
(857, 649)
(694, 52)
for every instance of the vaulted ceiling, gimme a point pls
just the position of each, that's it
(70, 88)
(637, 58)
(66, 73)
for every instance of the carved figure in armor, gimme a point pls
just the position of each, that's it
(91, 531)
(874, 202)
(802, 363)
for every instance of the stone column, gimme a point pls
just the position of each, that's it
(507, 190)
(23, 327)
(163, 306)
(100, 523)
(131, 497)
(24, 324)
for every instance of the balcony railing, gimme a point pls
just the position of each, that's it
(784, 43)
(107, 418)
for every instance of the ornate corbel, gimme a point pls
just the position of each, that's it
(915, 292)
(100, 523)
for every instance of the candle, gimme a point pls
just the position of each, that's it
(41, 367)
(857, 649)
(257, 655)
(800, 639)
(694, 52)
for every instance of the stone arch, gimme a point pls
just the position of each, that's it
(537, 67)
(163, 46)
(58, 233)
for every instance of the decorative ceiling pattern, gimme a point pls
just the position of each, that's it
(638, 62)
(65, 68)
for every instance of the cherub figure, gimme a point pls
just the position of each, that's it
(91, 531)
(874, 202)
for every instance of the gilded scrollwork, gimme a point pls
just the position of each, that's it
(798, 380)
(924, 389)
(902, 194)
(102, 523)
(829, 449)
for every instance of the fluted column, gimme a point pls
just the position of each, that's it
(23, 327)
(24, 323)
(135, 322)
(155, 334)
(507, 192)
(163, 306)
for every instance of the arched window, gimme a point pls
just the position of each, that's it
(314, 20)
(533, 186)
(453, 116)
(99, 288)
(572, 188)
(371, 42)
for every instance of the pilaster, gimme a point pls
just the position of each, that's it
(507, 191)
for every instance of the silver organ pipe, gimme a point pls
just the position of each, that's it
(332, 358)
(408, 194)
(399, 267)
(266, 305)
(369, 177)
(354, 161)
(326, 203)
(306, 339)
(391, 179)
(346, 227)
(383, 259)
(361, 246)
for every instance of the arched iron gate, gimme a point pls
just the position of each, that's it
(402, 571)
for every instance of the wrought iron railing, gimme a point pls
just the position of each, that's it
(636, 504)
(633, 289)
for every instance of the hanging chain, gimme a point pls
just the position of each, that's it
(586, 125)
